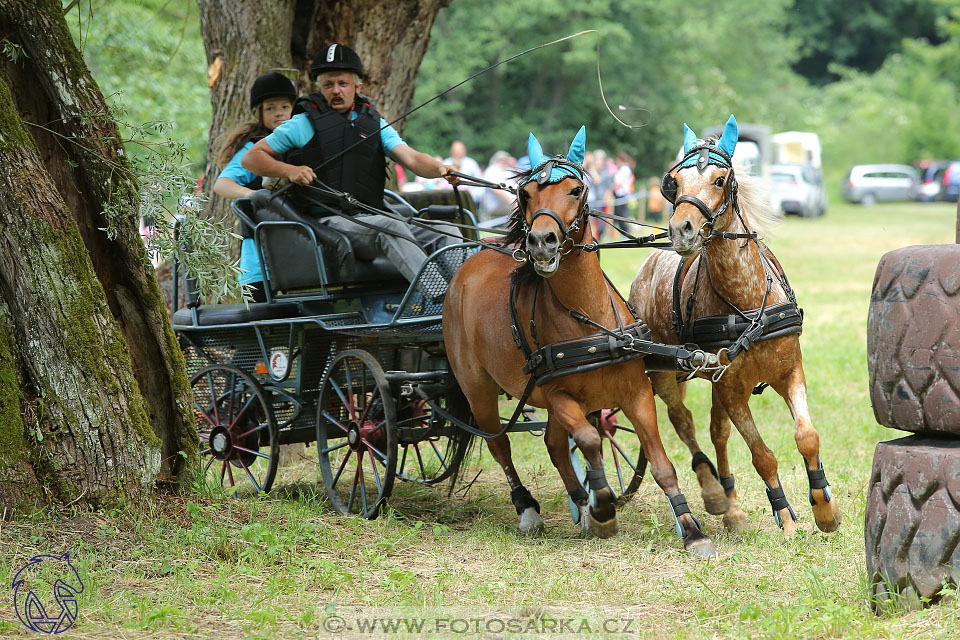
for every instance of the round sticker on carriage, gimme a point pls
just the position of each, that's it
(278, 364)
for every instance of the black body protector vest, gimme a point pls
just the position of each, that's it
(361, 171)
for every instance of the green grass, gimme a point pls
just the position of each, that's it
(282, 566)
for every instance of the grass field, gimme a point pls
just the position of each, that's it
(287, 566)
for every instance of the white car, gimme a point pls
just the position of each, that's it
(798, 189)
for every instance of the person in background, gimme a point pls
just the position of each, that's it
(655, 202)
(463, 163)
(622, 189)
(594, 163)
(271, 99)
(496, 202)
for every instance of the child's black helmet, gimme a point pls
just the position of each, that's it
(272, 85)
(336, 57)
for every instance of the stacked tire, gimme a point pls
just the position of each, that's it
(913, 351)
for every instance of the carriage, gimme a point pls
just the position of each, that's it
(345, 354)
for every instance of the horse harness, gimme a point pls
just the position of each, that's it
(735, 331)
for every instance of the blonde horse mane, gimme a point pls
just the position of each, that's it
(755, 206)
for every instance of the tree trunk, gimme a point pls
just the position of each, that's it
(85, 344)
(246, 38)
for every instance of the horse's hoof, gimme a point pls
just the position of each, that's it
(599, 529)
(829, 526)
(530, 522)
(735, 521)
(700, 547)
(788, 524)
(714, 498)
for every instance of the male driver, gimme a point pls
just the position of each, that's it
(338, 132)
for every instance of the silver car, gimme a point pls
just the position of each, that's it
(798, 189)
(871, 183)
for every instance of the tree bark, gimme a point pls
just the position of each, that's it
(250, 37)
(92, 355)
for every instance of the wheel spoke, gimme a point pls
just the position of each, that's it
(343, 399)
(363, 484)
(626, 457)
(259, 427)
(330, 418)
(369, 404)
(440, 457)
(231, 389)
(203, 412)
(213, 397)
(353, 490)
(423, 472)
(250, 475)
(256, 453)
(376, 474)
(403, 460)
(243, 411)
(335, 447)
(343, 465)
(616, 463)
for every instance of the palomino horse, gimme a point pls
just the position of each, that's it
(724, 290)
(558, 294)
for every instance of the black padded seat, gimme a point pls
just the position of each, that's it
(291, 257)
(213, 314)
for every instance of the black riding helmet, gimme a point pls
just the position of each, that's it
(272, 85)
(336, 57)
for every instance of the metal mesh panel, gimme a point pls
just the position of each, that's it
(236, 346)
(431, 285)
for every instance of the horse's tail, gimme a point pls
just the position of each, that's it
(459, 406)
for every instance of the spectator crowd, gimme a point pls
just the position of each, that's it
(614, 187)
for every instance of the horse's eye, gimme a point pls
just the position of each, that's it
(576, 192)
(719, 181)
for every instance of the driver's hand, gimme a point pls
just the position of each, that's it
(445, 170)
(301, 175)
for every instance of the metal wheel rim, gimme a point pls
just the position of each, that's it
(343, 394)
(433, 460)
(226, 399)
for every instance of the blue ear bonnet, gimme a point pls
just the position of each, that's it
(560, 167)
(719, 153)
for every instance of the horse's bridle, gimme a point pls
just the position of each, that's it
(668, 188)
(542, 175)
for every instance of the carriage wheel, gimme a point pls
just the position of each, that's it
(435, 458)
(356, 434)
(239, 447)
(623, 459)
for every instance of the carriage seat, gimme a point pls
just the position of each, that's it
(291, 254)
(214, 314)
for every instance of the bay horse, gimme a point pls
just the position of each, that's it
(494, 310)
(724, 288)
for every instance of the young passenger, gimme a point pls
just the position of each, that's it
(271, 99)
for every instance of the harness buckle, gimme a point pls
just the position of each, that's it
(519, 255)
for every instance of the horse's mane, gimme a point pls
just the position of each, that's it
(755, 205)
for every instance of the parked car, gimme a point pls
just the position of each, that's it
(870, 183)
(950, 182)
(931, 181)
(798, 189)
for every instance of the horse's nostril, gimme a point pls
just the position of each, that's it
(550, 239)
(686, 227)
